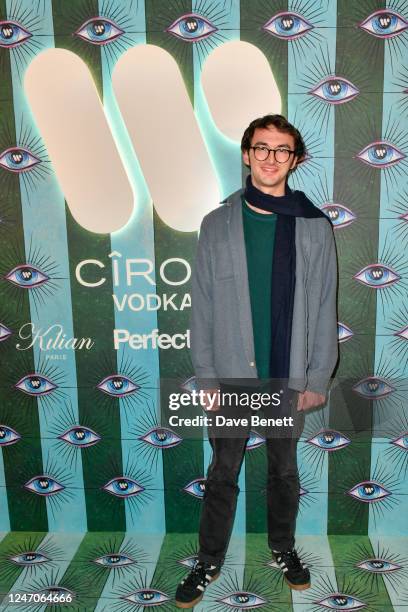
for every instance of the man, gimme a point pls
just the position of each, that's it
(263, 308)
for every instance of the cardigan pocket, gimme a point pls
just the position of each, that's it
(222, 262)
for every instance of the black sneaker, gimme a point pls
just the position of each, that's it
(191, 589)
(294, 570)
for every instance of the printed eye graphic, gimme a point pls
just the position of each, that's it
(340, 601)
(329, 440)
(188, 561)
(99, 31)
(379, 566)
(403, 333)
(373, 388)
(161, 438)
(380, 154)
(43, 485)
(80, 436)
(196, 488)
(190, 384)
(344, 332)
(401, 441)
(377, 276)
(287, 26)
(243, 600)
(191, 27)
(12, 34)
(16, 159)
(29, 558)
(123, 487)
(113, 560)
(34, 384)
(254, 440)
(5, 332)
(302, 491)
(8, 436)
(117, 386)
(335, 90)
(369, 491)
(147, 597)
(58, 592)
(339, 215)
(384, 24)
(26, 276)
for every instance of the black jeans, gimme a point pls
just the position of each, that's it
(221, 491)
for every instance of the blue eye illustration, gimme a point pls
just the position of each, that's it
(255, 440)
(12, 34)
(147, 597)
(99, 31)
(401, 441)
(344, 332)
(369, 492)
(188, 561)
(380, 154)
(287, 26)
(114, 560)
(60, 593)
(17, 159)
(191, 28)
(384, 24)
(378, 566)
(34, 384)
(196, 488)
(123, 487)
(161, 438)
(8, 436)
(373, 388)
(43, 485)
(80, 436)
(29, 558)
(377, 276)
(341, 601)
(403, 333)
(190, 384)
(26, 276)
(117, 386)
(335, 90)
(5, 332)
(329, 440)
(243, 600)
(339, 215)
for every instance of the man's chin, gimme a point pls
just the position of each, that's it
(272, 182)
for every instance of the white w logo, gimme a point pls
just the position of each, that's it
(87, 147)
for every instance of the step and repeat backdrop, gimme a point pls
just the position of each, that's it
(101, 198)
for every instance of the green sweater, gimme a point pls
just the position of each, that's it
(259, 233)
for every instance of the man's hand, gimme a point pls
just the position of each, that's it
(211, 400)
(310, 399)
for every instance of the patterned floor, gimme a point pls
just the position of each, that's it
(119, 572)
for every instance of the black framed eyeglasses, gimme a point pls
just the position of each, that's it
(280, 155)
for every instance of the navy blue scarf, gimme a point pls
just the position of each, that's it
(293, 204)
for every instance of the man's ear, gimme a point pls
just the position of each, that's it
(245, 158)
(296, 162)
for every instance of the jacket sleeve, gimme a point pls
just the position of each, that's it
(201, 320)
(325, 349)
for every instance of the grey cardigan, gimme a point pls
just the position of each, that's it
(222, 343)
